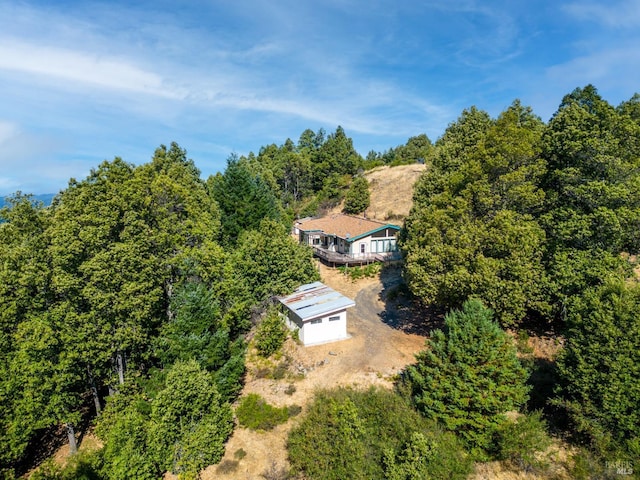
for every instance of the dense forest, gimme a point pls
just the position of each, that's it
(127, 303)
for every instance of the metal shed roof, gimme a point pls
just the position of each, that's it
(315, 300)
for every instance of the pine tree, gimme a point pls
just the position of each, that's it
(468, 377)
(358, 197)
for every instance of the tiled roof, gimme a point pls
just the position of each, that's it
(343, 225)
(315, 300)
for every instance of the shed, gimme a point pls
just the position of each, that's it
(318, 312)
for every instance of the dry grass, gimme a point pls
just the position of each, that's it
(391, 192)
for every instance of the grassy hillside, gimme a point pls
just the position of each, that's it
(391, 192)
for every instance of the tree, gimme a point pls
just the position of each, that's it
(189, 422)
(244, 200)
(592, 184)
(336, 155)
(468, 377)
(600, 364)
(197, 331)
(25, 295)
(357, 198)
(417, 149)
(472, 230)
(124, 429)
(270, 262)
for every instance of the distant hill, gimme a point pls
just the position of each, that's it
(45, 198)
(391, 192)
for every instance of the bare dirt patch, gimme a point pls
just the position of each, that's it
(373, 354)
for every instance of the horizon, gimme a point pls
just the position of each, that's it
(84, 82)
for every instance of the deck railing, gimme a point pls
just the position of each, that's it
(336, 258)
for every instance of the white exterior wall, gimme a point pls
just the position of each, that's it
(322, 332)
(382, 245)
(356, 249)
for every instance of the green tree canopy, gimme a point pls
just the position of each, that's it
(189, 422)
(244, 199)
(468, 377)
(269, 262)
(600, 365)
(471, 231)
(370, 435)
(358, 197)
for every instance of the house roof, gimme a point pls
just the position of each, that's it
(315, 300)
(344, 226)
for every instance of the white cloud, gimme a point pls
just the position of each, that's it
(625, 13)
(609, 68)
(81, 67)
(7, 131)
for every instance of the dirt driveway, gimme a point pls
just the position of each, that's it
(377, 349)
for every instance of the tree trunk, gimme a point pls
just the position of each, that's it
(94, 392)
(71, 435)
(120, 366)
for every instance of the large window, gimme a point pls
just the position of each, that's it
(382, 246)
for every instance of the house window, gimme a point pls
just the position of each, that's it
(333, 319)
(316, 321)
(362, 247)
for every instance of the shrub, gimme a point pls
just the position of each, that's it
(227, 466)
(355, 434)
(255, 413)
(519, 442)
(84, 465)
(275, 472)
(271, 334)
(355, 273)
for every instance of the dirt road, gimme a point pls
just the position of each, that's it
(377, 349)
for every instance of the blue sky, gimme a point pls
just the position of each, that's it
(82, 82)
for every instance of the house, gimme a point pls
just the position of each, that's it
(345, 239)
(318, 312)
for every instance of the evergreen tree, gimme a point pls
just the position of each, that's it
(600, 366)
(468, 377)
(244, 200)
(472, 230)
(358, 197)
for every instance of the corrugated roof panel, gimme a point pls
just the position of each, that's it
(315, 300)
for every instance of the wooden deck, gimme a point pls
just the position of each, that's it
(334, 258)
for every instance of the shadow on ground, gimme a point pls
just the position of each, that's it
(402, 310)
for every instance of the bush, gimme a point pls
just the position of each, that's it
(355, 273)
(271, 334)
(255, 413)
(82, 466)
(362, 435)
(519, 442)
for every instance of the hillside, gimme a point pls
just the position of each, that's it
(391, 192)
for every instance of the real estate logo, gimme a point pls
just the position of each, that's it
(620, 467)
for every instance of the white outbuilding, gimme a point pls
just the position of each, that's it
(318, 312)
